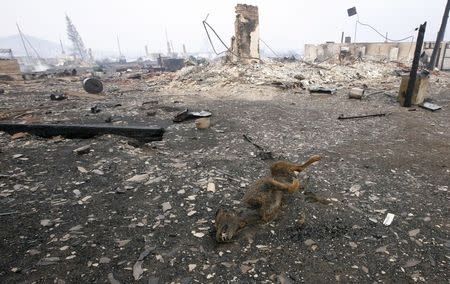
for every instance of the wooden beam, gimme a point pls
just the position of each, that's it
(146, 134)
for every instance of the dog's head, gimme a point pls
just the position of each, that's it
(227, 224)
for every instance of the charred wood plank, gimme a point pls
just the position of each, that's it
(144, 133)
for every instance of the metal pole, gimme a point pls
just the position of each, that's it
(23, 42)
(356, 27)
(342, 37)
(440, 37)
(415, 66)
(118, 45)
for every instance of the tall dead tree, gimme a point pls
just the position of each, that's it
(440, 37)
(77, 42)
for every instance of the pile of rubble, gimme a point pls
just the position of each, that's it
(287, 75)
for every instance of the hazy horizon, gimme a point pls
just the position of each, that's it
(284, 25)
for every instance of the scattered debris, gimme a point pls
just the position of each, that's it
(414, 232)
(186, 114)
(92, 85)
(388, 220)
(322, 90)
(361, 116)
(166, 206)
(95, 109)
(203, 123)
(356, 93)
(111, 279)
(137, 267)
(430, 106)
(263, 154)
(82, 150)
(58, 96)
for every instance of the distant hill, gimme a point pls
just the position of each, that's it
(45, 48)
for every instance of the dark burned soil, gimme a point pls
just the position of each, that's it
(70, 218)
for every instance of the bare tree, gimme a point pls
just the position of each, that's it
(76, 40)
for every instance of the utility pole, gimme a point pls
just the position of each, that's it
(169, 52)
(440, 37)
(118, 45)
(62, 47)
(23, 42)
(415, 66)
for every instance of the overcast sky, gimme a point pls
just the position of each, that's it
(284, 24)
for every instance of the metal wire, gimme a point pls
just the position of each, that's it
(383, 36)
(269, 47)
(206, 26)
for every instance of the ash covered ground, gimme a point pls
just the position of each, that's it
(127, 210)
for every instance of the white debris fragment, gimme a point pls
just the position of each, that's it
(98, 172)
(388, 220)
(198, 235)
(86, 198)
(82, 170)
(166, 206)
(192, 267)
(355, 188)
(211, 187)
(414, 232)
(138, 178)
(46, 223)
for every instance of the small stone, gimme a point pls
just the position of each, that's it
(181, 191)
(166, 206)
(71, 256)
(411, 263)
(198, 235)
(33, 252)
(77, 193)
(48, 260)
(98, 172)
(138, 178)
(82, 150)
(120, 190)
(414, 232)
(104, 259)
(64, 248)
(15, 269)
(373, 220)
(245, 268)
(121, 243)
(19, 135)
(355, 188)
(16, 156)
(365, 269)
(192, 267)
(82, 170)
(211, 187)
(309, 242)
(46, 223)
(86, 198)
(159, 258)
(76, 228)
(353, 245)
(190, 213)
(382, 249)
